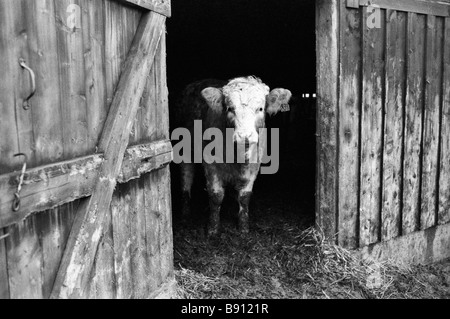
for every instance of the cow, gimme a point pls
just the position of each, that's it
(241, 104)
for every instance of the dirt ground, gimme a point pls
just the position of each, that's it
(283, 256)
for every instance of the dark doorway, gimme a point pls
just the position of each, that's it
(273, 40)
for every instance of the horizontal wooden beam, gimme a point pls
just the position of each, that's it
(438, 9)
(52, 185)
(421, 247)
(160, 6)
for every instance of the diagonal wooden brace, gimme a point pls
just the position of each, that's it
(78, 258)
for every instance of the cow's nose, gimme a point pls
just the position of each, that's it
(247, 137)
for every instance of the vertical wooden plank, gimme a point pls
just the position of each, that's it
(9, 71)
(120, 212)
(24, 255)
(72, 78)
(164, 189)
(166, 239)
(138, 241)
(349, 125)
(372, 130)
(327, 37)
(413, 121)
(162, 90)
(94, 48)
(152, 223)
(53, 230)
(393, 128)
(43, 57)
(433, 87)
(4, 283)
(444, 179)
(103, 284)
(23, 85)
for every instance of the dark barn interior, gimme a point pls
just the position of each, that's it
(273, 40)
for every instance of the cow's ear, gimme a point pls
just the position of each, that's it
(213, 97)
(277, 99)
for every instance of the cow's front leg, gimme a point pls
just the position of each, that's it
(244, 201)
(244, 194)
(216, 192)
(187, 179)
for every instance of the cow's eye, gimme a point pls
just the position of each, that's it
(261, 109)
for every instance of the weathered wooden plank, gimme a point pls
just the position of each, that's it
(393, 128)
(120, 211)
(161, 6)
(103, 284)
(141, 159)
(52, 185)
(43, 52)
(416, 6)
(413, 121)
(153, 224)
(24, 255)
(139, 258)
(166, 236)
(420, 247)
(327, 30)
(78, 259)
(4, 282)
(53, 230)
(72, 77)
(349, 126)
(373, 90)
(95, 82)
(433, 98)
(8, 130)
(444, 178)
(22, 83)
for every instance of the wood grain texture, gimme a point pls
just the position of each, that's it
(444, 178)
(152, 224)
(46, 106)
(139, 257)
(25, 261)
(420, 247)
(327, 34)
(416, 6)
(433, 98)
(393, 128)
(413, 122)
(4, 282)
(161, 6)
(22, 82)
(121, 214)
(53, 230)
(52, 185)
(103, 283)
(373, 86)
(8, 130)
(95, 77)
(72, 79)
(349, 126)
(78, 258)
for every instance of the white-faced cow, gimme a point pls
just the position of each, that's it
(240, 104)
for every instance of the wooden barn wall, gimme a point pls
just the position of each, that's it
(384, 100)
(77, 71)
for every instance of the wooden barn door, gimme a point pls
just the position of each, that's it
(95, 208)
(384, 138)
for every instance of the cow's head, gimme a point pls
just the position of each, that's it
(245, 102)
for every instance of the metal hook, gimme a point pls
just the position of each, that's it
(16, 202)
(26, 103)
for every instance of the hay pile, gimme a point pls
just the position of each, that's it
(278, 260)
